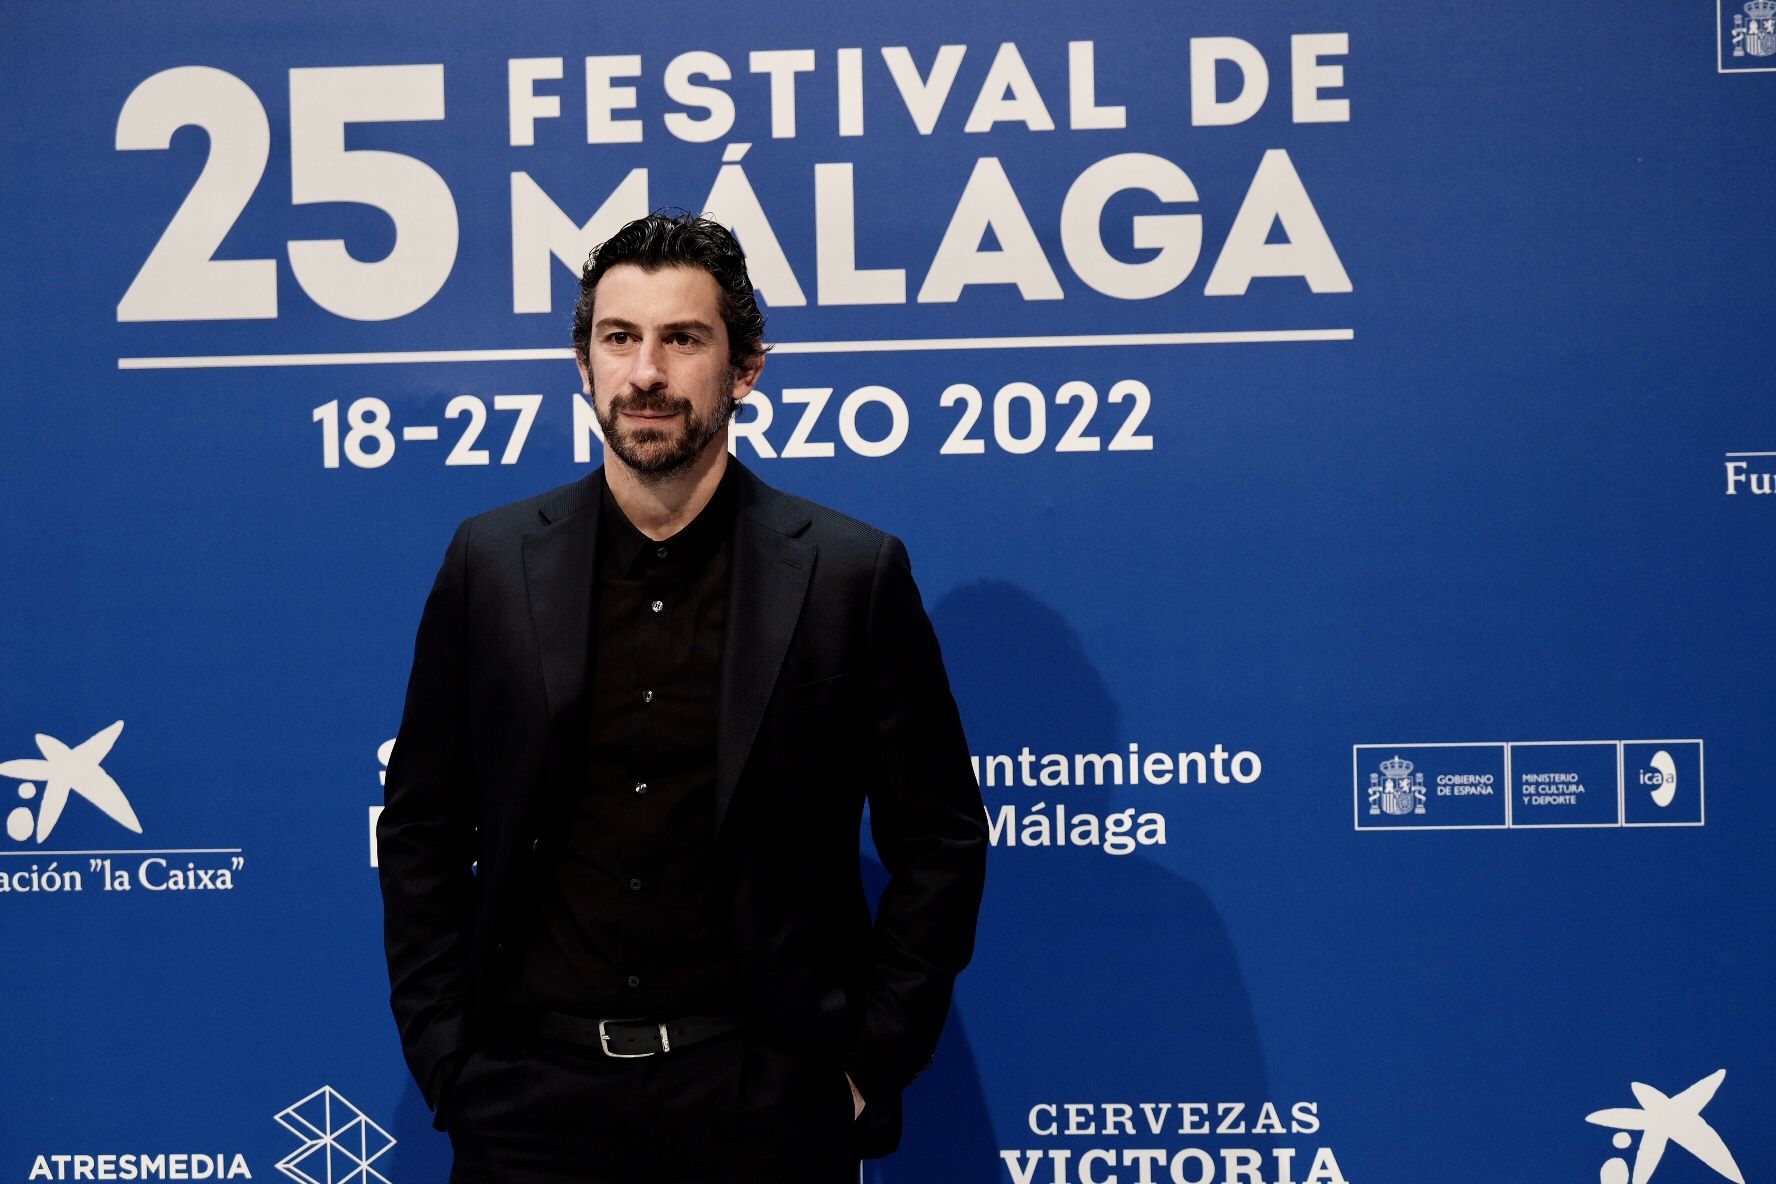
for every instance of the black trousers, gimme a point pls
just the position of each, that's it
(738, 1109)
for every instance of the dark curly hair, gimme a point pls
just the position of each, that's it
(678, 239)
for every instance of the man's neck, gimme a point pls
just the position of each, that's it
(660, 509)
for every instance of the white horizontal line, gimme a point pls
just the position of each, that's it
(904, 345)
(140, 851)
(420, 431)
(1230, 337)
(1751, 454)
(1515, 825)
(1446, 826)
(224, 361)
(1462, 744)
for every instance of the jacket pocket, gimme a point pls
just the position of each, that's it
(794, 698)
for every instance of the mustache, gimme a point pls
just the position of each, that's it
(649, 403)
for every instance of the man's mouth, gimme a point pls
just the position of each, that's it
(648, 414)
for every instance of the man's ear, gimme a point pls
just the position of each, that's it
(585, 378)
(748, 375)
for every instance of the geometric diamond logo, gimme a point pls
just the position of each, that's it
(339, 1142)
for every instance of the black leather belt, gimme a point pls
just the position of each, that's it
(628, 1038)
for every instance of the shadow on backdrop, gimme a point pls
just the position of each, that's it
(1097, 977)
(419, 1153)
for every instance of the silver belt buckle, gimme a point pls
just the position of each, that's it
(604, 1042)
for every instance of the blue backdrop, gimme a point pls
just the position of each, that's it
(1335, 443)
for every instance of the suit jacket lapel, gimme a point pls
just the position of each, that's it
(558, 565)
(769, 581)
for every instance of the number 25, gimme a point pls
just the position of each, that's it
(181, 281)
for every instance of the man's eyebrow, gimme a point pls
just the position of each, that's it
(621, 325)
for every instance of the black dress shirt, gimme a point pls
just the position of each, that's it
(628, 918)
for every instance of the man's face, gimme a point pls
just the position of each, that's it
(657, 368)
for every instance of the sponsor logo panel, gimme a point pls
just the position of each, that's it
(1527, 784)
(1750, 474)
(1190, 1142)
(339, 1141)
(67, 789)
(339, 1144)
(1565, 784)
(1662, 783)
(1746, 36)
(1061, 799)
(1664, 1122)
(1430, 786)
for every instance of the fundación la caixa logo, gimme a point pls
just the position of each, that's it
(1662, 1122)
(1746, 36)
(65, 771)
(1751, 473)
(47, 788)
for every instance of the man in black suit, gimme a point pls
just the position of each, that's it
(626, 933)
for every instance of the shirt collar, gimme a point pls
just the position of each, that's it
(627, 551)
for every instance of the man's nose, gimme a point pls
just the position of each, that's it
(648, 372)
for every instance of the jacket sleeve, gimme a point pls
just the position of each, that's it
(425, 838)
(930, 831)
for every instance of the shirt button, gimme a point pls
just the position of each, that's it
(635, 885)
(647, 696)
(660, 554)
(657, 605)
(641, 787)
(634, 980)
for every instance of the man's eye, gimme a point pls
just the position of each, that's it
(617, 338)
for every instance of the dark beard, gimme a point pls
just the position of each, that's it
(655, 454)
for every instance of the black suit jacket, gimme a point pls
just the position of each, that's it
(833, 693)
